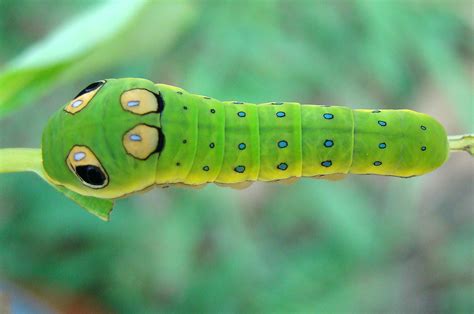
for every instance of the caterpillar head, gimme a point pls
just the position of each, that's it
(106, 141)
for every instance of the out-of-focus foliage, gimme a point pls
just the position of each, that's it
(366, 244)
(94, 40)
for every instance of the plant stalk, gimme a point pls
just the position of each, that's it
(20, 160)
(461, 143)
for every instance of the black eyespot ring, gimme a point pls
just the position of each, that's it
(161, 102)
(90, 88)
(161, 141)
(92, 175)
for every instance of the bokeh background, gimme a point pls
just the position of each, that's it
(362, 245)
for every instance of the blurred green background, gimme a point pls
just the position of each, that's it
(363, 245)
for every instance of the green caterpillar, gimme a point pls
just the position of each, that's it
(121, 136)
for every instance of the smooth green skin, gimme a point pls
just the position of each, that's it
(404, 137)
(202, 137)
(100, 126)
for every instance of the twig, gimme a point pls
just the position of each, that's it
(459, 143)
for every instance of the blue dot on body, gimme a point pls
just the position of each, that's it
(280, 114)
(239, 169)
(241, 114)
(377, 163)
(282, 166)
(326, 163)
(242, 146)
(382, 123)
(282, 144)
(328, 143)
(382, 145)
(328, 116)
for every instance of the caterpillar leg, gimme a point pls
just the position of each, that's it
(236, 186)
(331, 177)
(288, 180)
(192, 186)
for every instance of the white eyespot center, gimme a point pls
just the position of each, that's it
(77, 103)
(135, 137)
(79, 156)
(133, 103)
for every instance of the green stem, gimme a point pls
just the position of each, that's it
(30, 159)
(460, 143)
(21, 159)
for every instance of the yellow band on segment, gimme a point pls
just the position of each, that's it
(139, 101)
(141, 141)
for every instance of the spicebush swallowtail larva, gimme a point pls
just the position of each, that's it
(121, 136)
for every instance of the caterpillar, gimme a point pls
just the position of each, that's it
(122, 136)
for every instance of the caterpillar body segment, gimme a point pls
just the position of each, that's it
(401, 143)
(236, 142)
(122, 136)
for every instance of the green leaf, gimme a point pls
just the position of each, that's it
(88, 42)
(96, 206)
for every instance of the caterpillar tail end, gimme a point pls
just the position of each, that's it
(460, 143)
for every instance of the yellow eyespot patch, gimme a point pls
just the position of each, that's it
(84, 97)
(85, 165)
(142, 141)
(140, 101)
